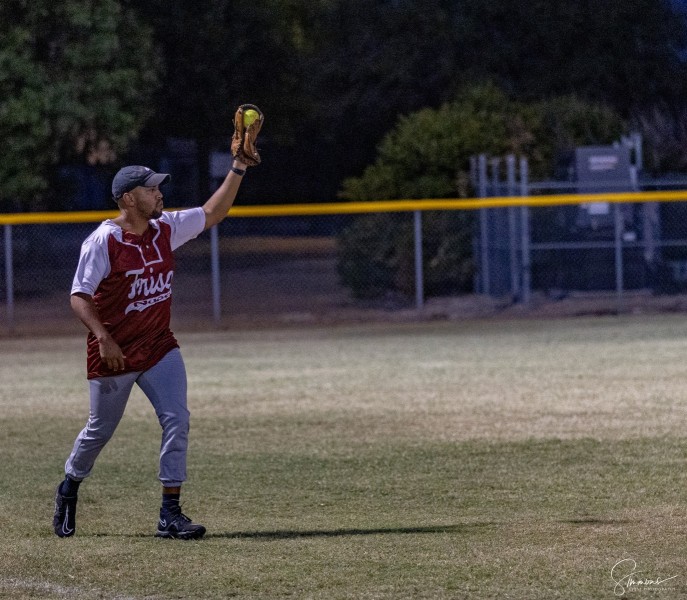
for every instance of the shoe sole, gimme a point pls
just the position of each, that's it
(191, 535)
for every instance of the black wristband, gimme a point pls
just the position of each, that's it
(238, 171)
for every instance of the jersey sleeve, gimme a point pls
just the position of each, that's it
(93, 267)
(185, 224)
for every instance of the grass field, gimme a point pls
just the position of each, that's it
(515, 459)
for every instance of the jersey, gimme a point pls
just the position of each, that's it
(129, 277)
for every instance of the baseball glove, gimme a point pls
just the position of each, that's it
(243, 146)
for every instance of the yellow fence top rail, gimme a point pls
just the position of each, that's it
(342, 208)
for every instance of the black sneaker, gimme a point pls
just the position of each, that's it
(64, 521)
(178, 525)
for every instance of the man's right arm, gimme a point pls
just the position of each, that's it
(110, 352)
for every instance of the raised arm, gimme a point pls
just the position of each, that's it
(217, 207)
(248, 121)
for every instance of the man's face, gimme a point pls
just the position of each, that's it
(148, 201)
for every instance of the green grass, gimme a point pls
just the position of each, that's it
(491, 459)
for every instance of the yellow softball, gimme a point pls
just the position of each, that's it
(250, 116)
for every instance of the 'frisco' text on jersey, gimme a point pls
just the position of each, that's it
(147, 286)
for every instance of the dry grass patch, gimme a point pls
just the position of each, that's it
(443, 460)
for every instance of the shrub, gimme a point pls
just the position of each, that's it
(427, 155)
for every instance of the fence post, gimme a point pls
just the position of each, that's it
(525, 233)
(512, 230)
(419, 274)
(483, 224)
(9, 278)
(618, 229)
(214, 264)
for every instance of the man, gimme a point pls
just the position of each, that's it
(122, 292)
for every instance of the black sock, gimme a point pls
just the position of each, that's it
(170, 502)
(69, 487)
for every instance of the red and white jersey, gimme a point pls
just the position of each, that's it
(130, 277)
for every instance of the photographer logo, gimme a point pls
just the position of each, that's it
(628, 578)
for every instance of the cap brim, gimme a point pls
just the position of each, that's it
(157, 179)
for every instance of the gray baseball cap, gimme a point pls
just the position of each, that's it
(127, 178)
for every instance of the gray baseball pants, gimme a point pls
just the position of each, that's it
(165, 386)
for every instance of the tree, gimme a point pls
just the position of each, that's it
(222, 53)
(664, 135)
(375, 61)
(427, 155)
(625, 54)
(333, 76)
(75, 84)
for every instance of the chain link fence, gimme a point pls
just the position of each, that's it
(265, 270)
(565, 247)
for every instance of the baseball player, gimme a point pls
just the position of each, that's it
(122, 292)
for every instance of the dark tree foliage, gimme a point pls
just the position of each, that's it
(627, 53)
(332, 76)
(220, 54)
(76, 81)
(376, 61)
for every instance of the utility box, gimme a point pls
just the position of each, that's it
(601, 169)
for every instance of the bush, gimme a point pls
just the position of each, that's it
(427, 155)
(377, 254)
